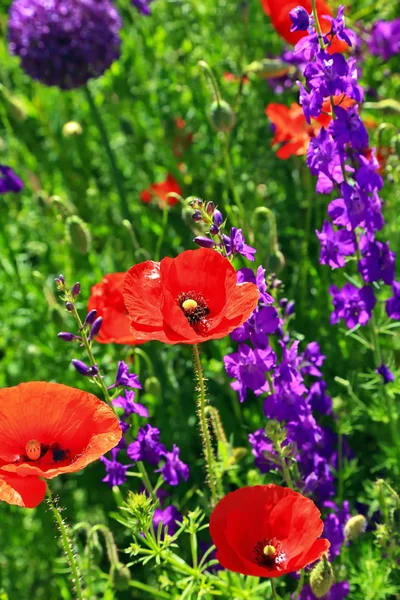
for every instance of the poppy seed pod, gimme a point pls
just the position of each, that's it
(222, 117)
(355, 527)
(321, 578)
(63, 42)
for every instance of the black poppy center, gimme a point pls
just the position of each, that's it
(194, 306)
(268, 553)
(35, 451)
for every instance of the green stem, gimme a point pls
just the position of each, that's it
(205, 433)
(317, 25)
(299, 585)
(231, 181)
(210, 76)
(273, 589)
(117, 176)
(164, 228)
(67, 545)
(154, 593)
(145, 477)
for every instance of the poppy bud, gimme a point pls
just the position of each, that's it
(152, 386)
(63, 207)
(268, 68)
(69, 306)
(67, 337)
(197, 216)
(276, 262)
(210, 207)
(321, 578)
(95, 328)
(120, 576)
(204, 242)
(218, 218)
(76, 289)
(84, 369)
(71, 129)
(355, 527)
(78, 234)
(222, 117)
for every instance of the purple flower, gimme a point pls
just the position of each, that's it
(173, 467)
(352, 304)
(311, 102)
(63, 42)
(338, 26)
(260, 444)
(83, 369)
(311, 359)
(236, 244)
(327, 74)
(247, 275)
(393, 304)
(143, 6)
(334, 527)
(168, 517)
(115, 471)
(288, 372)
(147, 447)
(348, 128)
(300, 19)
(385, 39)
(367, 176)
(261, 323)
(318, 400)
(122, 443)
(386, 373)
(377, 263)
(248, 367)
(124, 378)
(338, 591)
(335, 245)
(9, 181)
(129, 405)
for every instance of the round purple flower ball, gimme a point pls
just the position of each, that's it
(64, 42)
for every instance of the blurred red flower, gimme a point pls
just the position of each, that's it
(278, 11)
(159, 191)
(188, 299)
(267, 531)
(106, 297)
(47, 429)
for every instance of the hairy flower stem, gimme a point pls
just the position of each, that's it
(117, 176)
(205, 433)
(66, 543)
(273, 590)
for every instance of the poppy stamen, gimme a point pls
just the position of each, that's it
(269, 550)
(193, 306)
(268, 553)
(33, 449)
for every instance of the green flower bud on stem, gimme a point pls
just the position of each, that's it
(120, 576)
(355, 527)
(321, 578)
(222, 117)
(78, 234)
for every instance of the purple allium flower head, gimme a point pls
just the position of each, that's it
(334, 527)
(377, 263)
(115, 471)
(9, 181)
(147, 447)
(335, 245)
(248, 367)
(64, 42)
(123, 377)
(173, 468)
(338, 591)
(169, 517)
(143, 6)
(352, 304)
(393, 304)
(236, 244)
(127, 402)
(348, 128)
(385, 39)
(300, 19)
(386, 373)
(311, 359)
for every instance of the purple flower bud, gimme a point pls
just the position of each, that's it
(69, 306)
(67, 337)
(214, 230)
(76, 289)
(283, 302)
(84, 369)
(197, 216)
(300, 19)
(90, 317)
(218, 218)
(210, 207)
(290, 308)
(60, 282)
(204, 242)
(95, 328)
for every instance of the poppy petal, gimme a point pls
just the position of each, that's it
(318, 548)
(26, 492)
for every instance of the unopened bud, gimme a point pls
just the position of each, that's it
(95, 328)
(120, 576)
(90, 317)
(197, 216)
(72, 128)
(321, 578)
(214, 230)
(152, 386)
(355, 527)
(84, 369)
(222, 117)
(69, 306)
(204, 242)
(78, 233)
(66, 336)
(210, 207)
(60, 282)
(276, 262)
(218, 219)
(76, 289)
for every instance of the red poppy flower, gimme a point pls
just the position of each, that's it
(278, 11)
(188, 299)
(47, 429)
(267, 531)
(159, 191)
(106, 297)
